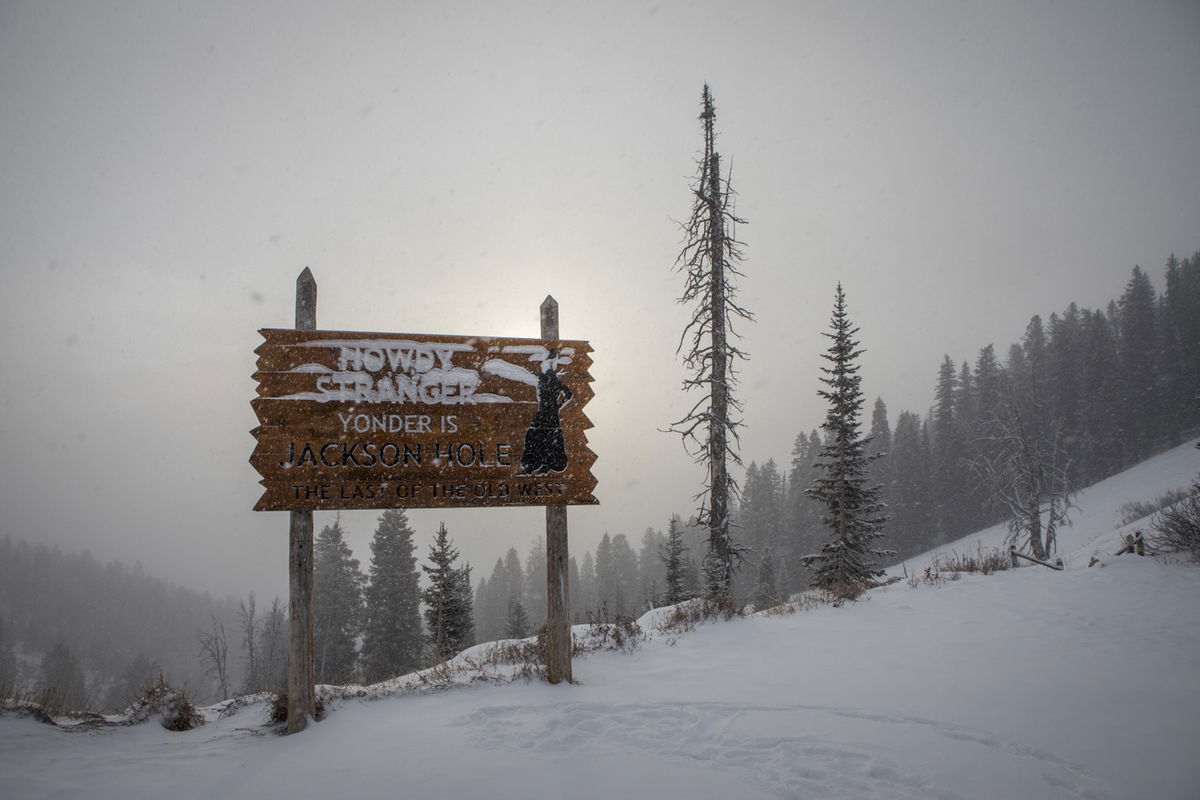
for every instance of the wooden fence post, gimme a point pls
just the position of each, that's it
(558, 590)
(301, 693)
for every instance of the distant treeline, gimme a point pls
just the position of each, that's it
(95, 622)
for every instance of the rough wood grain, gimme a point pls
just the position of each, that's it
(558, 590)
(301, 689)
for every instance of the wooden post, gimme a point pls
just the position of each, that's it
(558, 590)
(301, 693)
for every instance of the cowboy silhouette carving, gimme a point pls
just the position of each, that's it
(545, 449)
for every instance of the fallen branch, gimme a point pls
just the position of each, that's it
(1057, 565)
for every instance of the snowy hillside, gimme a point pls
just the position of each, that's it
(1025, 684)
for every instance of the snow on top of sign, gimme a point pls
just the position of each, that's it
(387, 344)
(509, 371)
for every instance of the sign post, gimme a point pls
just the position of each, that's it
(558, 590)
(355, 420)
(301, 691)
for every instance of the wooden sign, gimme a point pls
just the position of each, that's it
(381, 420)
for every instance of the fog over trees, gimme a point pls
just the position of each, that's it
(1075, 398)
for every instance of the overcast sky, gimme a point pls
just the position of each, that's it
(167, 169)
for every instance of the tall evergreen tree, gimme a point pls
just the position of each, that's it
(709, 260)
(651, 573)
(575, 584)
(951, 490)
(337, 606)
(517, 624)
(853, 514)
(514, 581)
(804, 532)
(1066, 375)
(761, 520)
(1101, 447)
(491, 604)
(911, 525)
(672, 553)
(1138, 352)
(589, 593)
(625, 577)
(1181, 334)
(606, 577)
(392, 620)
(880, 445)
(448, 614)
(766, 591)
(534, 600)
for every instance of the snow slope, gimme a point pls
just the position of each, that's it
(1094, 526)
(1025, 684)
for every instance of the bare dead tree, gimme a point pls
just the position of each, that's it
(249, 623)
(214, 652)
(1022, 465)
(709, 430)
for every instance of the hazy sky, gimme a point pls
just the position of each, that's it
(167, 169)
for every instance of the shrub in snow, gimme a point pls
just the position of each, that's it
(178, 713)
(984, 562)
(173, 707)
(686, 616)
(1177, 528)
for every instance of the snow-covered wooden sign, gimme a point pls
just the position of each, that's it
(382, 420)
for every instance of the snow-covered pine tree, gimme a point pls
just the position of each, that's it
(672, 554)
(392, 637)
(465, 608)
(846, 564)
(491, 604)
(625, 577)
(709, 257)
(803, 529)
(589, 593)
(534, 582)
(766, 592)
(606, 582)
(911, 526)
(517, 624)
(651, 575)
(447, 599)
(514, 581)
(337, 606)
(760, 520)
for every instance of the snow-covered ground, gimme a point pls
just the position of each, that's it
(1025, 684)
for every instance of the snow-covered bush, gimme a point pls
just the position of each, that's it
(984, 562)
(173, 707)
(1177, 528)
(687, 615)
